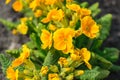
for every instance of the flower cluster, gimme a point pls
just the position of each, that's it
(61, 33)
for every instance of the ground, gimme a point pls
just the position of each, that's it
(8, 41)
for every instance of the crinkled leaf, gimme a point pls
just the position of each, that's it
(84, 4)
(5, 62)
(111, 54)
(105, 23)
(95, 9)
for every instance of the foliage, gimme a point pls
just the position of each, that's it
(65, 41)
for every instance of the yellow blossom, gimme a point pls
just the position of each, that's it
(38, 13)
(23, 20)
(54, 14)
(17, 6)
(89, 27)
(34, 4)
(11, 74)
(76, 55)
(63, 39)
(44, 70)
(69, 0)
(50, 2)
(46, 38)
(53, 76)
(73, 7)
(14, 31)
(7, 1)
(85, 55)
(22, 28)
(52, 27)
(79, 72)
(25, 54)
(84, 12)
(63, 62)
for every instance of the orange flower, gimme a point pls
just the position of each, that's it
(11, 74)
(63, 39)
(85, 55)
(17, 6)
(50, 2)
(38, 13)
(25, 54)
(73, 7)
(63, 62)
(54, 14)
(46, 38)
(7, 1)
(53, 76)
(89, 27)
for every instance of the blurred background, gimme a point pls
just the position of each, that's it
(9, 41)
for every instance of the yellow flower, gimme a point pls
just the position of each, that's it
(63, 39)
(84, 12)
(63, 62)
(14, 31)
(89, 27)
(38, 13)
(79, 72)
(34, 4)
(23, 20)
(11, 74)
(85, 55)
(54, 14)
(44, 70)
(53, 76)
(17, 6)
(69, 0)
(22, 28)
(7, 1)
(52, 27)
(25, 54)
(73, 7)
(76, 55)
(50, 2)
(46, 38)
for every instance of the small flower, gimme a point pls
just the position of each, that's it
(25, 54)
(22, 28)
(11, 74)
(52, 27)
(85, 55)
(44, 70)
(73, 7)
(50, 2)
(54, 14)
(17, 6)
(46, 38)
(7, 1)
(38, 13)
(84, 12)
(53, 76)
(89, 27)
(79, 72)
(63, 62)
(34, 4)
(14, 31)
(63, 39)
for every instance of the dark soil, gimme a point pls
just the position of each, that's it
(9, 41)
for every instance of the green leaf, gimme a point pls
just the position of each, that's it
(51, 58)
(5, 62)
(103, 74)
(90, 74)
(81, 41)
(111, 54)
(94, 9)
(84, 4)
(10, 25)
(94, 74)
(14, 52)
(36, 40)
(105, 23)
(102, 62)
